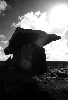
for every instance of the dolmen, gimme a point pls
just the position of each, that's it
(29, 60)
(26, 45)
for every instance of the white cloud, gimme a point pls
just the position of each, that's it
(2, 36)
(65, 33)
(3, 57)
(3, 6)
(5, 42)
(35, 21)
(1, 48)
(38, 21)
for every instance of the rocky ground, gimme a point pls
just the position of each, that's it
(56, 87)
(15, 84)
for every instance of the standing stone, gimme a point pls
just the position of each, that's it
(26, 57)
(39, 60)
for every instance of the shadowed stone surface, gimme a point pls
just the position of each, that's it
(29, 59)
(26, 45)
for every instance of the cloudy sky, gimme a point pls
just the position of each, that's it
(28, 14)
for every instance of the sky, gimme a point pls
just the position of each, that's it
(28, 14)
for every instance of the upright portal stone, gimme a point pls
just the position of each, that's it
(26, 57)
(39, 60)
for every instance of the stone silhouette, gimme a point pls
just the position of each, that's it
(29, 59)
(26, 45)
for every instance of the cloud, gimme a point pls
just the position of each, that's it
(35, 21)
(2, 36)
(3, 57)
(1, 48)
(5, 42)
(3, 6)
(65, 33)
